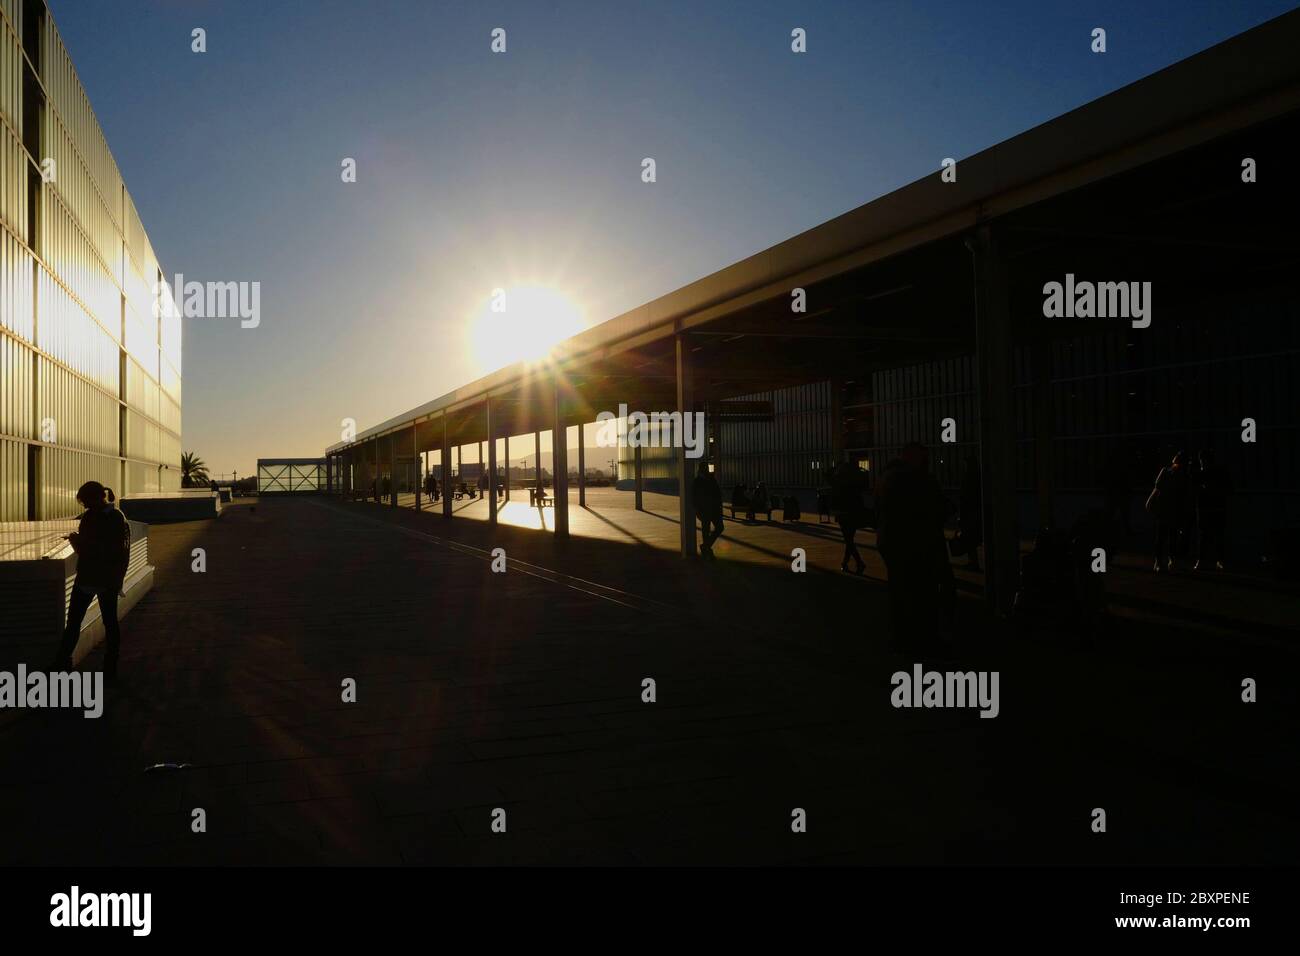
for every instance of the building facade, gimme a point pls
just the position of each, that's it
(90, 365)
(290, 476)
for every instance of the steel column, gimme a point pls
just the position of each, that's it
(492, 465)
(997, 425)
(685, 404)
(560, 464)
(446, 469)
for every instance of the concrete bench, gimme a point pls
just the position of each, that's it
(37, 568)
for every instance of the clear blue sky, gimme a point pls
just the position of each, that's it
(478, 170)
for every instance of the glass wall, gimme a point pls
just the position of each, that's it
(90, 379)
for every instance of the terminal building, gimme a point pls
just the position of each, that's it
(90, 367)
(928, 320)
(90, 376)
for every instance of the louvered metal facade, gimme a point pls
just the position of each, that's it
(90, 376)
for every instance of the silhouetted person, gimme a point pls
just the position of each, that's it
(1093, 530)
(1187, 520)
(707, 497)
(910, 519)
(482, 483)
(758, 500)
(1117, 488)
(1167, 504)
(739, 497)
(972, 512)
(848, 482)
(103, 545)
(1214, 487)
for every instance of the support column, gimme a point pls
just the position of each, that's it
(582, 466)
(492, 465)
(392, 469)
(1043, 428)
(997, 425)
(537, 453)
(714, 424)
(415, 461)
(559, 464)
(379, 483)
(446, 469)
(837, 422)
(638, 482)
(685, 404)
(506, 471)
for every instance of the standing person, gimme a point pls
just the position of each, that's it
(910, 518)
(103, 545)
(848, 482)
(1187, 517)
(1214, 487)
(739, 498)
(1118, 489)
(1166, 503)
(972, 512)
(708, 508)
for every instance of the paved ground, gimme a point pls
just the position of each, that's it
(523, 691)
(1225, 602)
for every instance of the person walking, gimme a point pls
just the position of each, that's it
(848, 482)
(1118, 489)
(910, 520)
(971, 527)
(102, 542)
(1214, 487)
(707, 496)
(1167, 503)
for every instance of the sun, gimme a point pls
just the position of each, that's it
(522, 323)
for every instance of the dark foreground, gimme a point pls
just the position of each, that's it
(523, 691)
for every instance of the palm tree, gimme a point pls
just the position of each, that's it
(194, 471)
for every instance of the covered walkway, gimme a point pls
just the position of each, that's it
(1142, 185)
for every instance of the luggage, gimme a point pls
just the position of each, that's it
(791, 508)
